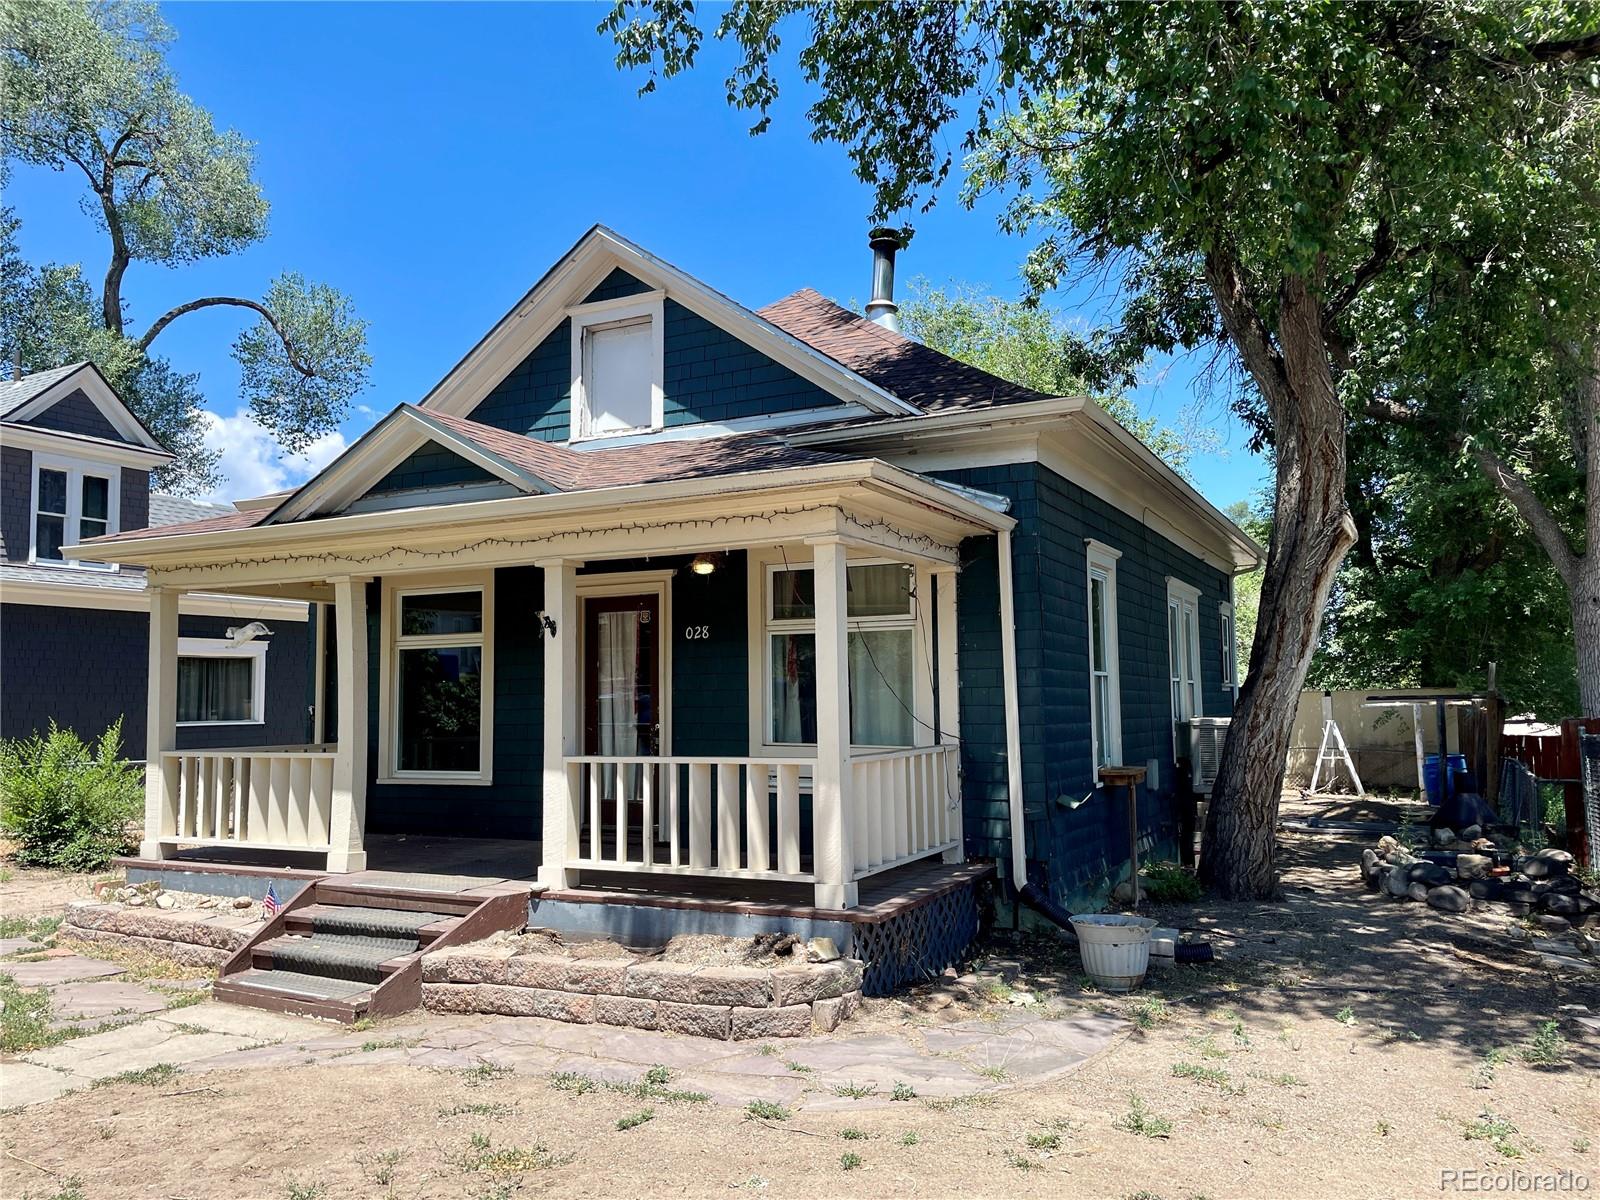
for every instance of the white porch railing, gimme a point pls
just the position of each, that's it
(278, 798)
(723, 817)
(907, 805)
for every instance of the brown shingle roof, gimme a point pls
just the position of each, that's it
(232, 520)
(932, 381)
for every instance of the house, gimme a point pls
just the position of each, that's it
(74, 633)
(729, 615)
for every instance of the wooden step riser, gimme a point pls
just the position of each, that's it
(346, 1012)
(398, 899)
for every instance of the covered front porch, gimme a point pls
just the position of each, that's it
(589, 670)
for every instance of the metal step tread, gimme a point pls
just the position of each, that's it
(337, 957)
(367, 922)
(296, 983)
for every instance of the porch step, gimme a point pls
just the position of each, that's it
(342, 952)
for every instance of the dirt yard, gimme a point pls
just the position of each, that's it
(1341, 1046)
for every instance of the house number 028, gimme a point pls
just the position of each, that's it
(696, 633)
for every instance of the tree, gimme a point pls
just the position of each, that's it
(1251, 169)
(88, 90)
(1030, 345)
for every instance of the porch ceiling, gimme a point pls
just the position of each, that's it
(867, 503)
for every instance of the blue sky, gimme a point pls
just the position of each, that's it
(432, 161)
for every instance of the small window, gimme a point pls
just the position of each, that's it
(617, 368)
(1183, 650)
(440, 678)
(71, 502)
(880, 647)
(220, 683)
(1229, 649)
(1105, 689)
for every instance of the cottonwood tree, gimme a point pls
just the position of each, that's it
(88, 91)
(1250, 168)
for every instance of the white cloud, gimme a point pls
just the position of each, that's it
(253, 463)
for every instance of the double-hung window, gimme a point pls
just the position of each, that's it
(220, 683)
(1229, 650)
(439, 716)
(72, 501)
(618, 366)
(881, 623)
(1105, 690)
(1183, 650)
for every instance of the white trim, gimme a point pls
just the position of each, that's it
(254, 651)
(78, 593)
(75, 469)
(631, 583)
(390, 646)
(1101, 560)
(765, 423)
(579, 271)
(1185, 664)
(1013, 710)
(433, 497)
(122, 454)
(626, 310)
(103, 396)
(1230, 649)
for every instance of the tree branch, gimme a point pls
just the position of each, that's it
(172, 314)
(1567, 50)
(1242, 320)
(1532, 510)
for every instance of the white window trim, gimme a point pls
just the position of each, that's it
(649, 306)
(75, 469)
(762, 564)
(1230, 648)
(389, 674)
(1102, 561)
(1185, 597)
(256, 651)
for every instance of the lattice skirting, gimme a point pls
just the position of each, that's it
(920, 942)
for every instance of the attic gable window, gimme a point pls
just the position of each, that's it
(617, 367)
(72, 500)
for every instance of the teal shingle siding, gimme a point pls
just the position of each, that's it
(615, 286)
(431, 465)
(708, 376)
(1077, 854)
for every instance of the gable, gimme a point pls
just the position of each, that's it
(429, 466)
(76, 413)
(617, 285)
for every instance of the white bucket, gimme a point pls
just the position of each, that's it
(1115, 949)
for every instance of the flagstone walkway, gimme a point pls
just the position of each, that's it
(1018, 1047)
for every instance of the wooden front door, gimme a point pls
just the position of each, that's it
(622, 675)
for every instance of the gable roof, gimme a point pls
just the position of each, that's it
(14, 393)
(23, 399)
(180, 510)
(918, 374)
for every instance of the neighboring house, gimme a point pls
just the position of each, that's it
(74, 635)
(683, 591)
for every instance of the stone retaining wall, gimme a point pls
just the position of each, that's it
(193, 937)
(714, 1002)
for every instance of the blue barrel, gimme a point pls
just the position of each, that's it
(1430, 776)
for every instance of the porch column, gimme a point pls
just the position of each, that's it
(949, 708)
(348, 822)
(561, 823)
(161, 724)
(832, 813)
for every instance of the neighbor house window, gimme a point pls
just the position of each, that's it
(1229, 650)
(220, 683)
(881, 641)
(71, 501)
(439, 671)
(1183, 650)
(617, 354)
(1105, 690)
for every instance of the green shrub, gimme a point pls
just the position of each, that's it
(1168, 883)
(67, 804)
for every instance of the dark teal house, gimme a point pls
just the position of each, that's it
(695, 600)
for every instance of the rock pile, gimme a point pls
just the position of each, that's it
(1459, 872)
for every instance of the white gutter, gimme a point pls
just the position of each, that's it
(1008, 673)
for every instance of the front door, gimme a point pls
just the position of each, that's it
(622, 675)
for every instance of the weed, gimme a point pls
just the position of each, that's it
(484, 1074)
(903, 1091)
(998, 1074)
(295, 1190)
(1044, 1141)
(478, 1110)
(1580, 1145)
(853, 1135)
(997, 991)
(1279, 1079)
(767, 1050)
(1548, 1048)
(1021, 1161)
(799, 1068)
(634, 1120)
(147, 1077)
(35, 929)
(1382, 1128)
(651, 1087)
(25, 1018)
(1206, 1047)
(1345, 1016)
(1140, 1120)
(855, 1091)
(362, 1024)
(955, 1103)
(575, 1082)
(765, 1110)
(910, 1138)
(658, 1076)
(1168, 883)
(1149, 1012)
(508, 1160)
(849, 1160)
(1497, 1131)
(1493, 1058)
(1212, 1075)
(755, 1183)
(183, 997)
(385, 1044)
(380, 1167)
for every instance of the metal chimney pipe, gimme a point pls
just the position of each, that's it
(881, 309)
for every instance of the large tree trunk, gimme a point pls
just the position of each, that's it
(1311, 532)
(1585, 595)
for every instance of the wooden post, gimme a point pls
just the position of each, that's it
(1494, 722)
(1131, 777)
(161, 724)
(561, 820)
(348, 820)
(1571, 774)
(949, 720)
(832, 803)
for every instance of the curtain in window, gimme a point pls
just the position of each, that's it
(794, 688)
(215, 689)
(881, 688)
(618, 698)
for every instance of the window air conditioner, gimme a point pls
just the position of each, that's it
(1203, 747)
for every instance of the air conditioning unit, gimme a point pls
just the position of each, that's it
(1203, 738)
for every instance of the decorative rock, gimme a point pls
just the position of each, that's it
(1395, 883)
(1387, 844)
(1551, 923)
(791, 1021)
(1546, 864)
(822, 949)
(1519, 908)
(165, 901)
(1562, 905)
(1401, 857)
(1443, 836)
(1449, 899)
(1473, 866)
(815, 983)
(1487, 889)
(135, 901)
(242, 902)
(1430, 874)
(1417, 891)
(208, 902)
(701, 1020)
(1471, 833)
(626, 1010)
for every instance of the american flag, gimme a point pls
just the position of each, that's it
(269, 902)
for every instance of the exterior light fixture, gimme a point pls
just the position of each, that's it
(704, 564)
